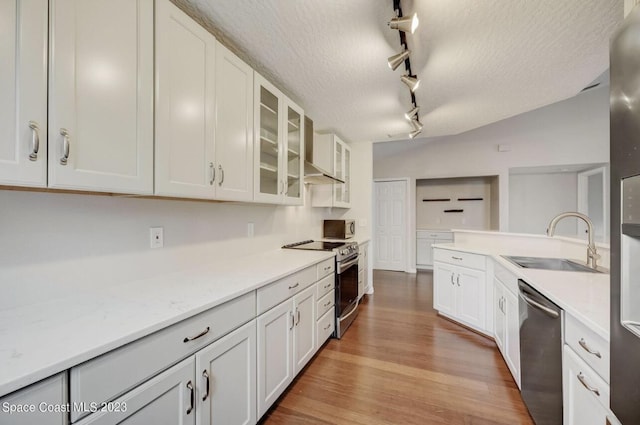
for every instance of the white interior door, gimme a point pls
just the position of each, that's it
(390, 225)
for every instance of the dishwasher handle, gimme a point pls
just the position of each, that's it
(535, 304)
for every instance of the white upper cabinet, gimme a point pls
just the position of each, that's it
(234, 127)
(185, 95)
(101, 95)
(294, 153)
(23, 85)
(336, 194)
(279, 128)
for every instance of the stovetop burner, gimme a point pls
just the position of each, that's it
(315, 245)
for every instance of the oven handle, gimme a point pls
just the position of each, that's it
(343, 318)
(348, 264)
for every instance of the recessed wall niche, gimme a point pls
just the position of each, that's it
(457, 203)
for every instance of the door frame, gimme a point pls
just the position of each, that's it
(407, 218)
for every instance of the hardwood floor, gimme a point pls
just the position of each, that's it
(399, 363)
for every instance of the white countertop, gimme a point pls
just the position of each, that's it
(42, 339)
(357, 239)
(584, 295)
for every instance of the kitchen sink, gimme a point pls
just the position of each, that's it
(561, 264)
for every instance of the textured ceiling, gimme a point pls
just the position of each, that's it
(478, 61)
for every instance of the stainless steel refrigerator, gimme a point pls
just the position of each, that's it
(625, 221)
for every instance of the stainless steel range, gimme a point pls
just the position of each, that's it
(346, 278)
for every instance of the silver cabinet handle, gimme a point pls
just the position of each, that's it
(326, 328)
(192, 397)
(458, 280)
(327, 286)
(205, 375)
(212, 169)
(65, 146)
(456, 258)
(35, 140)
(297, 317)
(452, 282)
(292, 321)
(201, 334)
(327, 304)
(221, 175)
(327, 268)
(586, 348)
(294, 286)
(583, 381)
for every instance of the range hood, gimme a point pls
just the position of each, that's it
(314, 174)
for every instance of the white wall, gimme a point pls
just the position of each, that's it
(534, 199)
(574, 131)
(77, 239)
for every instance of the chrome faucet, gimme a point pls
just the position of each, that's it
(592, 254)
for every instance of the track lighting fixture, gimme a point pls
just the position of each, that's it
(405, 23)
(413, 134)
(396, 60)
(417, 125)
(410, 114)
(412, 82)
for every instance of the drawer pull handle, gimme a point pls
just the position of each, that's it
(586, 348)
(201, 334)
(192, 397)
(326, 328)
(294, 286)
(205, 375)
(583, 381)
(65, 146)
(327, 304)
(456, 258)
(327, 286)
(327, 268)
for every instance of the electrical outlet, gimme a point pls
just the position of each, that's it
(157, 237)
(250, 229)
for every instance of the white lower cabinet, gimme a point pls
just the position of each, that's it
(227, 379)
(286, 342)
(167, 399)
(44, 395)
(585, 394)
(460, 293)
(507, 327)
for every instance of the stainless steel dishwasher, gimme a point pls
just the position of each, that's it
(540, 355)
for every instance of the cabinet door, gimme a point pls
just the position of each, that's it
(294, 153)
(23, 84)
(275, 349)
(581, 405)
(268, 178)
(424, 254)
(304, 332)
(346, 189)
(52, 391)
(167, 399)
(101, 95)
(234, 127)
(185, 73)
(226, 371)
(444, 288)
(512, 343)
(338, 188)
(499, 315)
(471, 296)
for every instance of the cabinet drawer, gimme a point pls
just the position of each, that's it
(325, 326)
(118, 371)
(276, 292)
(437, 235)
(508, 279)
(326, 267)
(325, 303)
(52, 392)
(578, 377)
(325, 285)
(582, 340)
(465, 259)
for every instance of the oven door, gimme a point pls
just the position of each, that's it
(347, 286)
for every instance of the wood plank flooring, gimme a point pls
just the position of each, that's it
(399, 363)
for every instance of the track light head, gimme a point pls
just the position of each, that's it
(396, 60)
(405, 23)
(410, 114)
(412, 82)
(413, 134)
(417, 125)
